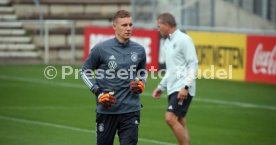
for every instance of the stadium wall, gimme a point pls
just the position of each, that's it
(221, 50)
(250, 58)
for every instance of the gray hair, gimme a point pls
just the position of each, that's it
(167, 18)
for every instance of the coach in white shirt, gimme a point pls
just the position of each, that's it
(179, 80)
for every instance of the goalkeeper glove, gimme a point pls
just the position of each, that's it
(107, 99)
(137, 86)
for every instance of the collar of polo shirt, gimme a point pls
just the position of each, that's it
(172, 35)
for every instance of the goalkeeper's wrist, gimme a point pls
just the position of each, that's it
(97, 91)
(100, 95)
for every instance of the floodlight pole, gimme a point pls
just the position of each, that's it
(46, 43)
(73, 34)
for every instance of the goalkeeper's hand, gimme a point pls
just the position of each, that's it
(107, 99)
(137, 86)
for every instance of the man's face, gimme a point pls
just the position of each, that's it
(123, 27)
(162, 28)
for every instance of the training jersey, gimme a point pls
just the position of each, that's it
(181, 63)
(111, 66)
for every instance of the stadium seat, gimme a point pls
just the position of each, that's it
(9, 32)
(17, 47)
(8, 17)
(10, 24)
(82, 12)
(14, 39)
(14, 42)
(19, 54)
(6, 9)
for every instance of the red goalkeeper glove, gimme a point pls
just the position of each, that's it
(137, 86)
(107, 99)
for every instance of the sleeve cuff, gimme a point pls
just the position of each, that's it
(160, 87)
(96, 90)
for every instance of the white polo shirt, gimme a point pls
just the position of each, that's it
(181, 63)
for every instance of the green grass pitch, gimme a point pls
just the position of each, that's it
(37, 111)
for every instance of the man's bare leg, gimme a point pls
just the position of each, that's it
(186, 132)
(178, 127)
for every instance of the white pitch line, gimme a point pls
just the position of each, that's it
(40, 81)
(230, 103)
(240, 104)
(213, 101)
(20, 120)
(47, 107)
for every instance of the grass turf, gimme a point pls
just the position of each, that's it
(34, 110)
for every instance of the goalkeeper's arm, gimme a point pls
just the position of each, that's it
(87, 73)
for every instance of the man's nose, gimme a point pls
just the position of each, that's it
(129, 27)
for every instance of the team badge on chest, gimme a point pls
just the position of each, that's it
(134, 56)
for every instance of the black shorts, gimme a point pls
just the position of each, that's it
(126, 125)
(179, 108)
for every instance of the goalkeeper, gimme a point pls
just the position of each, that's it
(117, 96)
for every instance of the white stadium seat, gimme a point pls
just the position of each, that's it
(10, 24)
(22, 54)
(15, 39)
(12, 32)
(17, 47)
(8, 17)
(6, 9)
(4, 2)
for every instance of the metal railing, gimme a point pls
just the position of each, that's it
(213, 29)
(191, 15)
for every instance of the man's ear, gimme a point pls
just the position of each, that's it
(113, 25)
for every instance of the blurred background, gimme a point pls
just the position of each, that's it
(31, 28)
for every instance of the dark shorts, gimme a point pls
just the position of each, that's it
(179, 108)
(125, 124)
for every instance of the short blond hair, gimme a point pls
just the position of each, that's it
(121, 14)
